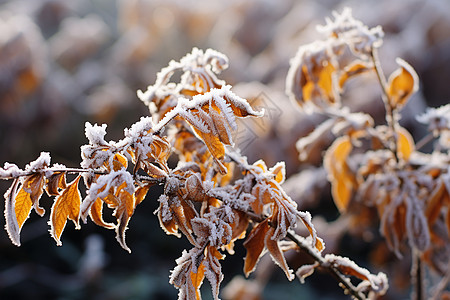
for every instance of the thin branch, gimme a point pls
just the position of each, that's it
(425, 140)
(58, 170)
(343, 281)
(417, 276)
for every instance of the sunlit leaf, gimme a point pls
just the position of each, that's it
(405, 143)
(66, 206)
(402, 83)
(335, 162)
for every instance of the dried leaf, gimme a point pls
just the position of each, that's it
(276, 254)
(417, 226)
(402, 83)
(347, 267)
(141, 192)
(254, 244)
(22, 207)
(123, 213)
(119, 162)
(12, 226)
(96, 214)
(342, 179)
(34, 185)
(405, 143)
(56, 181)
(305, 271)
(66, 206)
(435, 202)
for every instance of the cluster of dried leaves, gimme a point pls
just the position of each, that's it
(379, 166)
(203, 199)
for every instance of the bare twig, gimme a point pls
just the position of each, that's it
(417, 276)
(343, 281)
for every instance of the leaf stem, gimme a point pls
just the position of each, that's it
(390, 111)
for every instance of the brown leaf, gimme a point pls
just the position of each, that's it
(435, 202)
(141, 192)
(34, 185)
(119, 162)
(254, 245)
(347, 267)
(276, 254)
(402, 83)
(66, 206)
(56, 181)
(123, 213)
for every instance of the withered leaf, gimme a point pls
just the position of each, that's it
(342, 180)
(405, 143)
(96, 214)
(123, 213)
(66, 206)
(276, 254)
(402, 83)
(55, 182)
(254, 244)
(34, 185)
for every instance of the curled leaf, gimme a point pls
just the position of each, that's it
(339, 173)
(402, 83)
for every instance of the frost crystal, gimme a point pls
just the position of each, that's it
(41, 162)
(438, 119)
(354, 31)
(95, 134)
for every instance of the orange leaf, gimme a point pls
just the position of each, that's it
(255, 245)
(119, 162)
(123, 213)
(342, 180)
(96, 214)
(215, 147)
(66, 206)
(405, 143)
(197, 280)
(402, 83)
(279, 170)
(141, 192)
(276, 254)
(22, 207)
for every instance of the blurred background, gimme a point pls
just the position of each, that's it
(63, 63)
